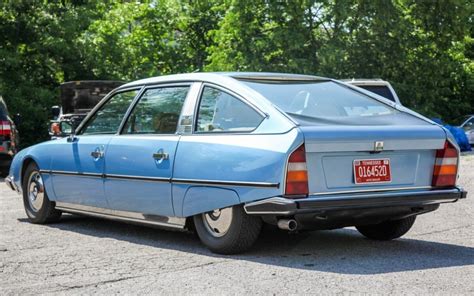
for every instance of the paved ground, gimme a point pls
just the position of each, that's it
(87, 256)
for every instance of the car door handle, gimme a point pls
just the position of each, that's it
(97, 153)
(160, 155)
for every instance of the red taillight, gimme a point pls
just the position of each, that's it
(5, 128)
(446, 166)
(297, 174)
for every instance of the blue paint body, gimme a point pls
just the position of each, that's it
(156, 187)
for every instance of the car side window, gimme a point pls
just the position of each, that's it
(222, 112)
(157, 111)
(107, 119)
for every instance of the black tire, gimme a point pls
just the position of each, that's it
(45, 213)
(240, 236)
(387, 230)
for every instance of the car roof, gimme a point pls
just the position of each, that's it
(211, 76)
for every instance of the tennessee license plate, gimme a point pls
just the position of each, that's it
(372, 171)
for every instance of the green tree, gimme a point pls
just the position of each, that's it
(137, 40)
(37, 53)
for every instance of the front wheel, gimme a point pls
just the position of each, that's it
(228, 231)
(38, 207)
(387, 230)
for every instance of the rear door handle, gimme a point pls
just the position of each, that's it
(161, 155)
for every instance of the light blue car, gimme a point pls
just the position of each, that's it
(223, 153)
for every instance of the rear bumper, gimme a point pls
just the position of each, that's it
(322, 203)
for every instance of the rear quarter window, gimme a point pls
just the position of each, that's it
(221, 112)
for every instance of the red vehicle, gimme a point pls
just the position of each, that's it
(8, 138)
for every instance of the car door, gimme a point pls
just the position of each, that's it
(139, 161)
(78, 163)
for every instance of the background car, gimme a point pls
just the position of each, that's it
(223, 153)
(77, 100)
(8, 138)
(467, 124)
(378, 86)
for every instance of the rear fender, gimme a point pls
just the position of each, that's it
(201, 199)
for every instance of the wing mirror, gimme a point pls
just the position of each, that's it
(68, 129)
(65, 127)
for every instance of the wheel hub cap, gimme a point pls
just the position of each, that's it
(218, 222)
(35, 191)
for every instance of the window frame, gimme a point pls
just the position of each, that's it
(233, 94)
(80, 129)
(137, 99)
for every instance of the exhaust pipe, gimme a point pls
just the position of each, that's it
(287, 224)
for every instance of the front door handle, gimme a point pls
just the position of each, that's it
(161, 155)
(97, 153)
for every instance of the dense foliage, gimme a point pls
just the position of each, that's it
(424, 48)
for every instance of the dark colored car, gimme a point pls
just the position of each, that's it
(8, 138)
(378, 86)
(467, 124)
(77, 100)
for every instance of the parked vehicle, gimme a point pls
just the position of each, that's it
(224, 153)
(77, 100)
(467, 124)
(377, 86)
(8, 138)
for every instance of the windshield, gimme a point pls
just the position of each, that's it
(460, 120)
(381, 90)
(320, 100)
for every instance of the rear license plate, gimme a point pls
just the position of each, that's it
(372, 171)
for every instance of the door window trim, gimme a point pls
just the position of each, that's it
(137, 100)
(231, 93)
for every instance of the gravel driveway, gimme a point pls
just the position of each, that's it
(86, 256)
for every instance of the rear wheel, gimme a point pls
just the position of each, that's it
(228, 231)
(387, 230)
(38, 207)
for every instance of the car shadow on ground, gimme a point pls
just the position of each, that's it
(342, 251)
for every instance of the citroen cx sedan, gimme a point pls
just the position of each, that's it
(223, 153)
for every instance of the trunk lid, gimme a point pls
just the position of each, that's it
(332, 150)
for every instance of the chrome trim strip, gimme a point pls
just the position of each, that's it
(70, 173)
(372, 190)
(137, 178)
(156, 220)
(225, 183)
(163, 179)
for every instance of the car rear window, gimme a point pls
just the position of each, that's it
(320, 99)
